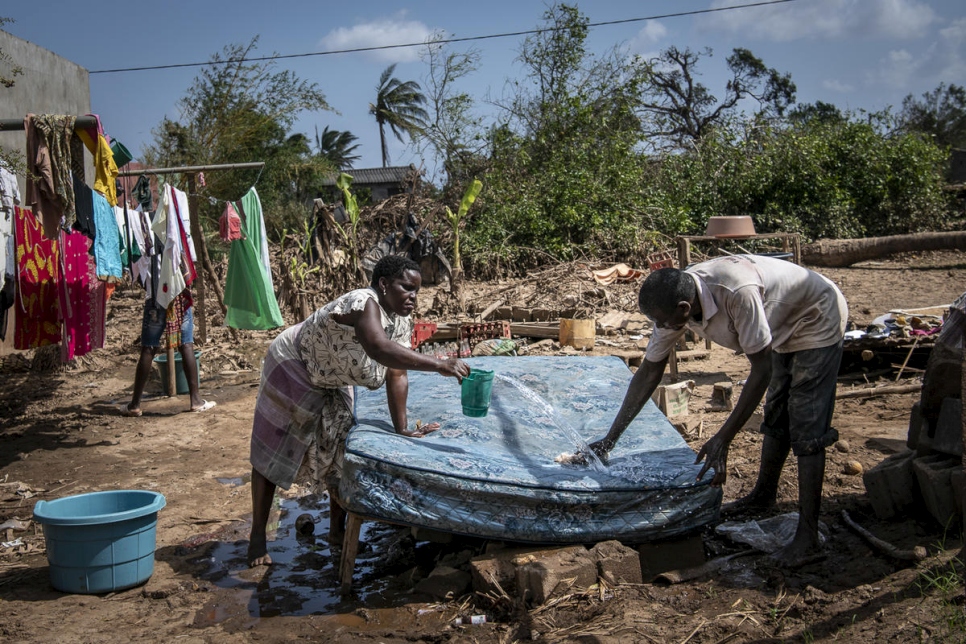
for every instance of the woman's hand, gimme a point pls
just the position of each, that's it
(455, 368)
(421, 429)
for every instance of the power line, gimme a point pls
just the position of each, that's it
(446, 41)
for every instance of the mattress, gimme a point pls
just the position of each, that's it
(496, 477)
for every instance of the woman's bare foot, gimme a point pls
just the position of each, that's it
(258, 552)
(751, 504)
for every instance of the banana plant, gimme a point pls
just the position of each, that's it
(456, 219)
(351, 205)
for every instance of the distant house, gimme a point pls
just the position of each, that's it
(382, 183)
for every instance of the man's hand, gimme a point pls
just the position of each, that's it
(715, 455)
(602, 449)
(454, 368)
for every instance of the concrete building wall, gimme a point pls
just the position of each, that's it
(49, 85)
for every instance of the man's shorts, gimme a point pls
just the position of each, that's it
(801, 398)
(155, 321)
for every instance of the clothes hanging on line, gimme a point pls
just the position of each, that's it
(105, 169)
(82, 299)
(84, 208)
(38, 321)
(142, 193)
(249, 291)
(143, 239)
(107, 240)
(50, 188)
(177, 262)
(9, 198)
(125, 218)
(229, 224)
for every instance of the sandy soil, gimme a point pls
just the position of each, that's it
(61, 435)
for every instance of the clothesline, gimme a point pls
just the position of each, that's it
(192, 168)
(81, 123)
(199, 168)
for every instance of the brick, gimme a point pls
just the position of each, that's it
(934, 474)
(957, 481)
(948, 435)
(721, 396)
(915, 426)
(617, 563)
(949, 428)
(670, 555)
(444, 583)
(542, 575)
(494, 575)
(892, 486)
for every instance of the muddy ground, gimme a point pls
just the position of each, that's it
(60, 435)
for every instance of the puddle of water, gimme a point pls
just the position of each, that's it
(557, 420)
(235, 481)
(303, 578)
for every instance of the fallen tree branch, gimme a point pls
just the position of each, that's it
(687, 574)
(879, 391)
(916, 554)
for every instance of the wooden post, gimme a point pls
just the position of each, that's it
(350, 548)
(197, 235)
(172, 379)
(684, 252)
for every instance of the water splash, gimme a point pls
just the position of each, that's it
(548, 410)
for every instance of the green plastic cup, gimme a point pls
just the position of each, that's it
(475, 395)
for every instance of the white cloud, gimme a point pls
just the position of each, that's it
(897, 69)
(650, 34)
(395, 30)
(944, 60)
(834, 85)
(951, 52)
(823, 19)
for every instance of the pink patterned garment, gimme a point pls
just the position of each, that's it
(38, 266)
(82, 298)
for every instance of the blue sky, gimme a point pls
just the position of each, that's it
(857, 54)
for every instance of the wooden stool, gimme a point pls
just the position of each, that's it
(350, 548)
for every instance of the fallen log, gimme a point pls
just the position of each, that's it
(839, 253)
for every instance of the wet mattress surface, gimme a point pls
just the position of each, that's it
(496, 477)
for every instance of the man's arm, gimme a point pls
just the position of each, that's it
(715, 451)
(643, 384)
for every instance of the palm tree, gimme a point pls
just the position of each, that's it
(337, 147)
(397, 105)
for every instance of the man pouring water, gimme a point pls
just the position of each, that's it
(790, 322)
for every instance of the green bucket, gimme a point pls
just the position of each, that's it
(122, 156)
(475, 395)
(180, 381)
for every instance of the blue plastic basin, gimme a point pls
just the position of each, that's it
(100, 542)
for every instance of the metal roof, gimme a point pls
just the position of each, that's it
(372, 176)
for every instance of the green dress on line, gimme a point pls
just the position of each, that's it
(249, 292)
